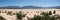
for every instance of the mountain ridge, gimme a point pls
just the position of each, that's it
(28, 7)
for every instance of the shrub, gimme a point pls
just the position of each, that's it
(45, 16)
(9, 13)
(20, 16)
(1, 18)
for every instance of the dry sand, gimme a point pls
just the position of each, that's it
(30, 13)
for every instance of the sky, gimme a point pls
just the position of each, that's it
(42, 3)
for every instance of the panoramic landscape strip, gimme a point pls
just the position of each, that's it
(29, 9)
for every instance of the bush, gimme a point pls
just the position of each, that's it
(1, 18)
(54, 12)
(38, 18)
(20, 16)
(9, 13)
(45, 16)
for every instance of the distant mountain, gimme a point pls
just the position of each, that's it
(28, 7)
(31, 7)
(10, 7)
(17, 7)
(56, 7)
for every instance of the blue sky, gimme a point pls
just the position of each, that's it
(43, 3)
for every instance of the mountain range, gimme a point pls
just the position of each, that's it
(28, 7)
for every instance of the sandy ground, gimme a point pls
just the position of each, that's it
(30, 13)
